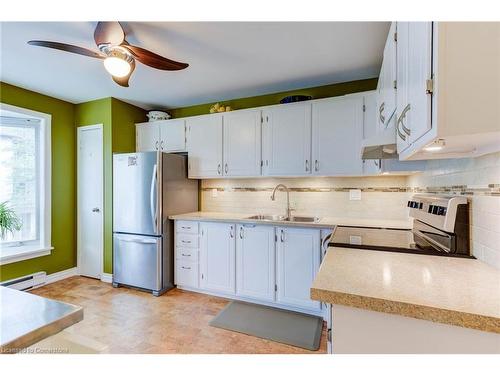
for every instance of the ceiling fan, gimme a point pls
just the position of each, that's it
(118, 55)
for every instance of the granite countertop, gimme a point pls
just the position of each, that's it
(457, 291)
(324, 222)
(26, 319)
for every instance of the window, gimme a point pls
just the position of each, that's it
(25, 181)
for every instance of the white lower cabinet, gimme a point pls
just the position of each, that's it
(298, 260)
(217, 257)
(273, 265)
(255, 262)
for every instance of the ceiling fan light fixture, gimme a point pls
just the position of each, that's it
(116, 66)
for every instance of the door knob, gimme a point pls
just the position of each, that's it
(95, 209)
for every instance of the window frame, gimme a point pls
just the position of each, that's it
(42, 246)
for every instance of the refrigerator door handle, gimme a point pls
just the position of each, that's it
(134, 240)
(152, 200)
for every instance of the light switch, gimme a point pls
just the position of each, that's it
(354, 194)
(214, 193)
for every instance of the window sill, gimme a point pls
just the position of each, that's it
(18, 253)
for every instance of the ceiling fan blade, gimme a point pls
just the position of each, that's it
(153, 60)
(66, 48)
(123, 81)
(109, 33)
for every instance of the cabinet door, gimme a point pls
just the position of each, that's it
(403, 49)
(389, 78)
(255, 257)
(147, 137)
(242, 143)
(172, 135)
(418, 117)
(217, 257)
(370, 130)
(337, 133)
(287, 140)
(204, 146)
(298, 258)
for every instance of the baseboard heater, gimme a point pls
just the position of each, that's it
(26, 282)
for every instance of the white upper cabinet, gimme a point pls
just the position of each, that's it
(386, 88)
(415, 116)
(337, 131)
(147, 137)
(286, 140)
(242, 143)
(402, 97)
(173, 135)
(204, 146)
(217, 257)
(255, 261)
(298, 259)
(448, 91)
(165, 135)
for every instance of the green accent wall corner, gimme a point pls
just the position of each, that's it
(118, 119)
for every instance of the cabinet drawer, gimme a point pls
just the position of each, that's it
(187, 227)
(186, 240)
(186, 254)
(187, 274)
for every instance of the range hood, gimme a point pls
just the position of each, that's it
(380, 146)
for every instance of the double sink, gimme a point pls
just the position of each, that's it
(295, 219)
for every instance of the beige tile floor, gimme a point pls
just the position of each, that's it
(130, 321)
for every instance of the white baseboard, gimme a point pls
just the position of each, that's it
(53, 277)
(107, 277)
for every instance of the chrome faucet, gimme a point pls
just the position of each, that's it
(288, 212)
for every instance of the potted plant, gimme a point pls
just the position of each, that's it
(9, 221)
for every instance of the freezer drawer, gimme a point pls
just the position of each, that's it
(137, 261)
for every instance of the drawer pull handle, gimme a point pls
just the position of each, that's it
(185, 227)
(186, 255)
(186, 268)
(184, 241)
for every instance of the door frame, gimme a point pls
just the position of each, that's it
(80, 130)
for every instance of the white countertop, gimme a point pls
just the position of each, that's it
(324, 222)
(458, 291)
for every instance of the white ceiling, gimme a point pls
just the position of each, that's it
(227, 60)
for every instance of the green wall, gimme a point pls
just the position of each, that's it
(63, 182)
(318, 92)
(118, 119)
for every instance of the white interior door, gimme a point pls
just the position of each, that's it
(90, 201)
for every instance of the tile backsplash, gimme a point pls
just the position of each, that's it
(381, 196)
(478, 179)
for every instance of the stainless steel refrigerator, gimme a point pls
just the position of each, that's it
(148, 187)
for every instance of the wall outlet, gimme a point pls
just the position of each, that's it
(214, 193)
(354, 194)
